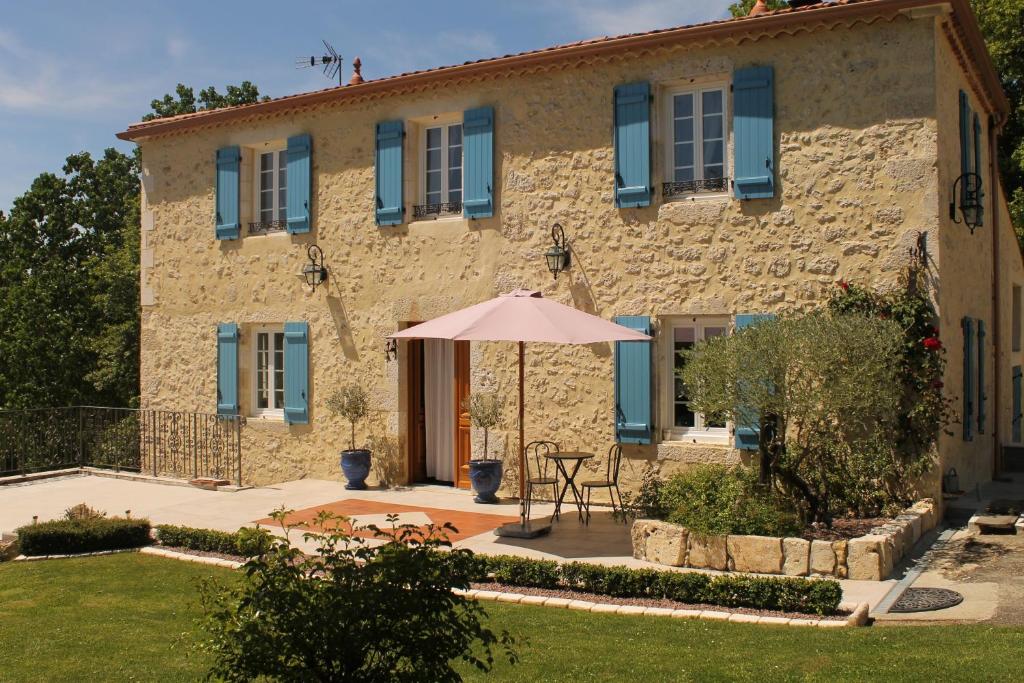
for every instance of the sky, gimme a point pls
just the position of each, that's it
(72, 74)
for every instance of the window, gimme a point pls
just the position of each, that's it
(681, 420)
(697, 141)
(1015, 332)
(271, 192)
(268, 384)
(442, 171)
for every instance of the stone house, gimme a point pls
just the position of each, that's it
(702, 175)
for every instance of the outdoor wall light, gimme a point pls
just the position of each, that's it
(315, 272)
(558, 256)
(968, 188)
(390, 350)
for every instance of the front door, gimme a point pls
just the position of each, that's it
(416, 410)
(463, 440)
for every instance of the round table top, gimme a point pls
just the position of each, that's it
(570, 455)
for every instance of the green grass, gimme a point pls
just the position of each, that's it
(132, 617)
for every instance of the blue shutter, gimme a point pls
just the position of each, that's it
(300, 149)
(1016, 417)
(748, 418)
(965, 142)
(227, 220)
(981, 377)
(296, 373)
(633, 422)
(977, 169)
(227, 369)
(968, 328)
(754, 132)
(390, 137)
(633, 145)
(478, 163)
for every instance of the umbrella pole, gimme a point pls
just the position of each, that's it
(522, 440)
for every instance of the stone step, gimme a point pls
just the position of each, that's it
(993, 524)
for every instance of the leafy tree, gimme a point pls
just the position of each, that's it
(209, 98)
(742, 8)
(351, 612)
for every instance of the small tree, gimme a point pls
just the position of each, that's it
(351, 403)
(819, 387)
(485, 409)
(351, 612)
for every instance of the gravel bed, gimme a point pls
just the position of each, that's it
(203, 553)
(843, 529)
(649, 602)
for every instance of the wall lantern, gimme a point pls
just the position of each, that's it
(558, 256)
(315, 272)
(968, 188)
(390, 350)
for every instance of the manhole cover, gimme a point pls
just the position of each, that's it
(926, 600)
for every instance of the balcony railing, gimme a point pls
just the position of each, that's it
(162, 443)
(694, 186)
(436, 210)
(263, 227)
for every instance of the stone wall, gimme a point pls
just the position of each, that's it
(870, 558)
(857, 181)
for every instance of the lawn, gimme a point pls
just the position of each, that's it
(132, 617)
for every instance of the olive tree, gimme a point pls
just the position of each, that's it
(821, 387)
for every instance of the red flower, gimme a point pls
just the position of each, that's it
(844, 285)
(937, 384)
(932, 343)
(935, 331)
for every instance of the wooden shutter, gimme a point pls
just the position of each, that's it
(390, 137)
(227, 369)
(967, 325)
(227, 220)
(296, 373)
(981, 377)
(748, 418)
(965, 142)
(754, 132)
(977, 169)
(478, 163)
(633, 422)
(633, 145)
(1016, 417)
(300, 181)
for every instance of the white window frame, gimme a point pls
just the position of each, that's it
(444, 123)
(699, 433)
(668, 128)
(257, 175)
(269, 412)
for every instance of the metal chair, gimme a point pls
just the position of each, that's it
(610, 482)
(536, 451)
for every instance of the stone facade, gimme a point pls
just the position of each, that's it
(863, 147)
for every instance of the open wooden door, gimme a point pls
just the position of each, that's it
(463, 440)
(416, 411)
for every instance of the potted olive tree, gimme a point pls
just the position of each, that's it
(350, 402)
(485, 409)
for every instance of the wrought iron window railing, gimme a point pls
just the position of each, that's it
(162, 443)
(263, 227)
(694, 186)
(435, 210)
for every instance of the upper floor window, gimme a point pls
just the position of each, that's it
(271, 199)
(442, 171)
(682, 420)
(268, 384)
(696, 158)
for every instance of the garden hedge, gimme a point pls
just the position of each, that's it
(245, 542)
(786, 594)
(66, 537)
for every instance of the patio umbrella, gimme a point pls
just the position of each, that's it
(522, 316)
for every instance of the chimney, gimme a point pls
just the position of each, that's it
(357, 77)
(758, 9)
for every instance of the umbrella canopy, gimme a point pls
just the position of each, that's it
(522, 316)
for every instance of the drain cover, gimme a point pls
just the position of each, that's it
(926, 600)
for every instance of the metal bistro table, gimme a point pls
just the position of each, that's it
(560, 459)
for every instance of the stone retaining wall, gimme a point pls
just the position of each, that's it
(870, 557)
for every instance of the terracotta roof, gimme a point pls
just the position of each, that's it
(770, 23)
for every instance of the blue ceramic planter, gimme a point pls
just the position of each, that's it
(485, 475)
(356, 467)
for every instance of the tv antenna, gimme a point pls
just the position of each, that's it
(331, 62)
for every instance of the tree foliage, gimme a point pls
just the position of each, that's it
(351, 612)
(742, 8)
(186, 102)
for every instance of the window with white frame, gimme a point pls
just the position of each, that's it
(271, 201)
(681, 420)
(696, 154)
(268, 368)
(441, 171)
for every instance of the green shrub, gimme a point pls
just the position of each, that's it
(522, 571)
(714, 499)
(246, 542)
(66, 537)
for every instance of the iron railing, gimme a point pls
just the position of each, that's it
(263, 227)
(435, 210)
(162, 443)
(694, 186)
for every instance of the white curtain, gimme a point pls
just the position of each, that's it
(439, 378)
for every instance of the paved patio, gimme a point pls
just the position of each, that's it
(604, 541)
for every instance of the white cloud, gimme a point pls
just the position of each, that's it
(608, 18)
